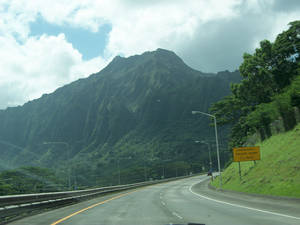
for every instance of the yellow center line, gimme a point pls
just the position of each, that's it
(92, 206)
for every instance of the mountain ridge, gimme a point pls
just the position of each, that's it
(135, 106)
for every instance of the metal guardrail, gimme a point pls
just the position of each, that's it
(20, 205)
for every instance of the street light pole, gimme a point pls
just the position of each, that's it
(209, 155)
(218, 154)
(210, 163)
(145, 171)
(119, 171)
(217, 143)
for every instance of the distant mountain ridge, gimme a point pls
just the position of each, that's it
(137, 107)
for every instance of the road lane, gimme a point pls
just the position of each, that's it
(168, 203)
(197, 209)
(285, 207)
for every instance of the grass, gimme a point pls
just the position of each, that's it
(277, 173)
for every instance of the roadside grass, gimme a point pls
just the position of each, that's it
(277, 173)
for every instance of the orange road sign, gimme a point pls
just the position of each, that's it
(246, 154)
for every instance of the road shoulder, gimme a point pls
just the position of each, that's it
(276, 205)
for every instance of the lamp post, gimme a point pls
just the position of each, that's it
(68, 152)
(163, 165)
(145, 169)
(217, 143)
(209, 155)
(119, 172)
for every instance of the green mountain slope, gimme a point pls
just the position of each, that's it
(277, 173)
(137, 107)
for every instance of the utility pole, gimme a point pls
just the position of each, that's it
(217, 143)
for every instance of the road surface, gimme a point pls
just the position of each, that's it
(178, 202)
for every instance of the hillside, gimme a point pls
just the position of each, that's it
(277, 173)
(136, 108)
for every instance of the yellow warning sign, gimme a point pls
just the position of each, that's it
(246, 154)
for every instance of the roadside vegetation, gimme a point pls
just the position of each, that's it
(27, 180)
(265, 105)
(270, 89)
(277, 173)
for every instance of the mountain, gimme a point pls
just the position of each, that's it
(134, 114)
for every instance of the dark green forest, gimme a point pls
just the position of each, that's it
(269, 91)
(29, 180)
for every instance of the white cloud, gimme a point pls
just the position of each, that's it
(210, 35)
(86, 68)
(164, 25)
(38, 66)
(136, 25)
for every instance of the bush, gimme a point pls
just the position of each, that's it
(285, 108)
(295, 92)
(261, 118)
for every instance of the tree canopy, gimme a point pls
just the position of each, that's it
(270, 88)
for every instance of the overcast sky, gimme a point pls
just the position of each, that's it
(46, 44)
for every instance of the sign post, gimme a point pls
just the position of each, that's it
(240, 172)
(246, 154)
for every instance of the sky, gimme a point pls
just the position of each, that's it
(47, 44)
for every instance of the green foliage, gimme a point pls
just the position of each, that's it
(138, 107)
(295, 92)
(260, 119)
(227, 110)
(277, 173)
(269, 90)
(29, 180)
(258, 85)
(285, 108)
(286, 55)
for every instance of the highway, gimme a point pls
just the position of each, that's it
(177, 202)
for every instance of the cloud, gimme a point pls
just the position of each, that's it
(220, 45)
(167, 25)
(39, 65)
(210, 35)
(286, 6)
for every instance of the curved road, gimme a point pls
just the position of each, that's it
(178, 202)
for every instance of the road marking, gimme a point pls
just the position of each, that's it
(175, 214)
(241, 206)
(100, 203)
(163, 203)
(92, 206)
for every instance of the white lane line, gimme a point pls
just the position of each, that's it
(163, 203)
(160, 197)
(175, 214)
(241, 206)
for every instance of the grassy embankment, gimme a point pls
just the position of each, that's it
(277, 173)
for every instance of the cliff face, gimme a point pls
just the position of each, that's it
(138, 106)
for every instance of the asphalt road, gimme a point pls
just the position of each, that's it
(178, 202)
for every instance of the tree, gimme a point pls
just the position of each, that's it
(286, 55)
(266, 75)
